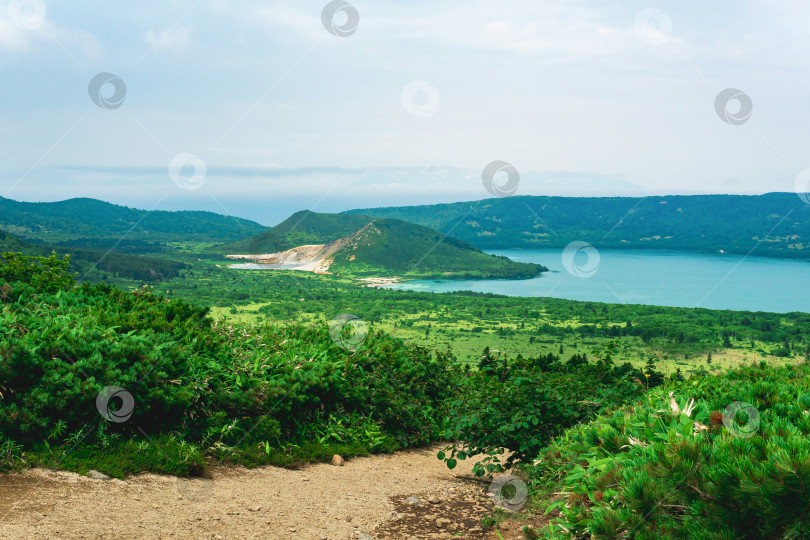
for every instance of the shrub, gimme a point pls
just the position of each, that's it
(520, 406)
(217, 388)
(643, 471)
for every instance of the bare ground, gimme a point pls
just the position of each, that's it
(366, 496)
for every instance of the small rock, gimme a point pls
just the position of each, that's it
(338, 461)
(442, 522)
(95, 475)
(364, 536)
(433, 499)
(413, 500)
(255, 508)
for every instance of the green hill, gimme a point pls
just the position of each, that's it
(98, 224)
(302, 228)
(365, 246)
(775, 224)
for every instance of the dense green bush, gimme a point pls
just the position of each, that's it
(222, 388)
(520, 406)
(648, 471)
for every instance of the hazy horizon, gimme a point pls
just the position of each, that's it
(265, 108)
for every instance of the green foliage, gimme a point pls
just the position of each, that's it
(520, 405)
(44, 274)
(643, 471)
(90, 262)
(222, 389)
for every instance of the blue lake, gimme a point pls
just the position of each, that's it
(664, 278)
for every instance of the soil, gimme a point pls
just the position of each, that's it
(363, 499)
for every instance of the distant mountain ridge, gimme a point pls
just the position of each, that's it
(93, 223)
(775, 224)
(362, 246)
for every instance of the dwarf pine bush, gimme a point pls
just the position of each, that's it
(738, 466)
(192, 382)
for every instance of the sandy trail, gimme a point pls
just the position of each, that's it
(322, 501)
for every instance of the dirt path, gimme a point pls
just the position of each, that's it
(363, 499)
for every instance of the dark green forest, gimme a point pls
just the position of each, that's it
(775, 224)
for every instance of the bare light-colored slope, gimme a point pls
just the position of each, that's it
(311, 258)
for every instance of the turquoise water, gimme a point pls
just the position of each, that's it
(664, 278)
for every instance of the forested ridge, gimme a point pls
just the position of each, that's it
(775, 224)
(85, 221)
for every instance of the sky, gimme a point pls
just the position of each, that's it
(260, 108)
